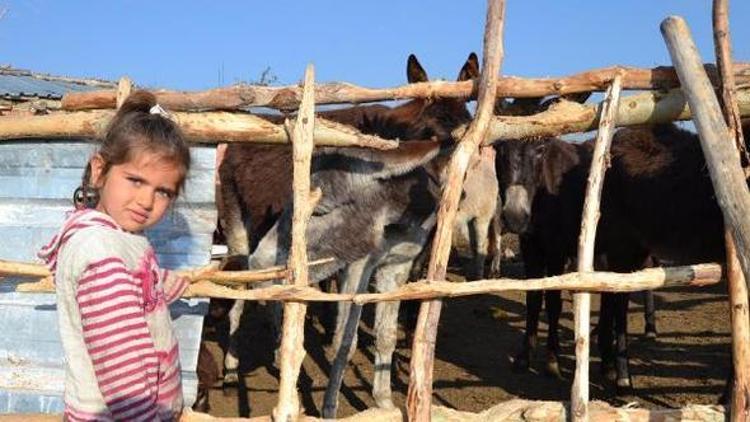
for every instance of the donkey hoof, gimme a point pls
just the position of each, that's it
(553, 369)
(521, 363)
(650, 332)
(609, 372)
(329, 412)
(384, 401)
(231, 380)
(624, 387)
(201, 401)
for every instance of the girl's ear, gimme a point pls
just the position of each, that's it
(97, 171)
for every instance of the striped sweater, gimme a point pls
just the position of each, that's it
(121, 356)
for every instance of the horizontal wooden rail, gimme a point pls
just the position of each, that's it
(231, 278)
(288, 97)
(648, 279)
(213, 127)
(515, 409)
(208, 127)
(571, 117)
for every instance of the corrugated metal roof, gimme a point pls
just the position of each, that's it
(18, 83)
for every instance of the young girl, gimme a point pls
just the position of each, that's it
(120, 350)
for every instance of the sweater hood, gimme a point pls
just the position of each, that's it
(76, 221)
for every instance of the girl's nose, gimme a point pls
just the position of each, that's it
(146, 199)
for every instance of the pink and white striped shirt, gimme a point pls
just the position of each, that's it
(121, 354)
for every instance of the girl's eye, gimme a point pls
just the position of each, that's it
(135, 181)
(165, 194)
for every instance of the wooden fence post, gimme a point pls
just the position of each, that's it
(721, 157)
(292, 347)
(740, 398)
(419, 396)
(579, 397)
(124, 87)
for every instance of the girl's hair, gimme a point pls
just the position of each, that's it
(135, 129)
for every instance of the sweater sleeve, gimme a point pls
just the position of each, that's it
(116, 335)
(174, 285)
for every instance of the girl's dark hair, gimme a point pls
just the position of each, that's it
(135, 129)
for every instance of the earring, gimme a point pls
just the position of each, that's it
(85, 197)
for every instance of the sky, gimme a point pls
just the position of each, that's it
(195, 45)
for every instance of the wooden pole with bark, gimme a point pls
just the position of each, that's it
(571, 117)
(722, 158)
(207, 127)
(124, 87)
(292, 342)
(739, 316)
(419, 396)
(579, 398)
(230, 278)
(240, 97)
(211, 127)
(512, 410)
(649, 279)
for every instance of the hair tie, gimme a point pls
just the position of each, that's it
(157, 109)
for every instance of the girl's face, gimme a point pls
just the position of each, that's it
(136, 194)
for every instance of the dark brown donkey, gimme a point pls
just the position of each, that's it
(376, 212)
(535, 180)
(658, 201)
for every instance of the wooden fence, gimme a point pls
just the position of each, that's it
(664, 103)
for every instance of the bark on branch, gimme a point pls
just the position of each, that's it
(511, 410)
(292, 348)
(288, 97)
(419, 395)
(208, 127)
(229, 278)
(570, 117)
(579, 397)
(740, 402)
(652, 278)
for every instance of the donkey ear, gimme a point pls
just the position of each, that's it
(414, 71)
(558, 157)
(470, 70)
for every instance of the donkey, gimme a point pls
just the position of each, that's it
(657, 202)
(243, 197)
(535, 179)
(376, 214)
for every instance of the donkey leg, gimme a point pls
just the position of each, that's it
(604, 336)
(553, 306)
(649, 313)
(534, 266)
(346, 284)
(231, 359)
(522, 359)
(496, 236)
(357, 274)
(386, 331)
(624, 383)
(480, 233)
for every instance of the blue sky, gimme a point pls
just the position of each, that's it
(183, 45)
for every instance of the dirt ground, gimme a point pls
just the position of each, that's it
(687, 363)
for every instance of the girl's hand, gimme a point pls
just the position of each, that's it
(199, 273)
(195, 275)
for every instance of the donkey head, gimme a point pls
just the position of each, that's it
(422, 119)
(526, 169)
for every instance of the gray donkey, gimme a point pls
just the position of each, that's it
(375, 216)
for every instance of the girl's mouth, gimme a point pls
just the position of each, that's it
(138, 217)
